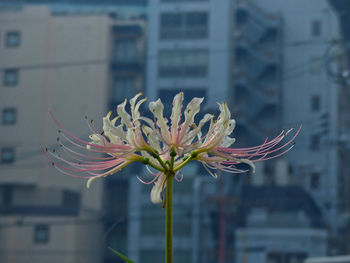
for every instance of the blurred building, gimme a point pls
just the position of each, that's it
(261, 223)
(189, 50)
(310, 98)
(261, 66)
(278, 224)
(72, 65)
(338, 70)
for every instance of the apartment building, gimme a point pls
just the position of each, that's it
(70, 64)
(310, 98)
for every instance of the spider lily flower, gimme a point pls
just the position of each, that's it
(163, 146)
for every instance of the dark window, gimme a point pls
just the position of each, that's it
(183, 63)
(315, 103)
(7, 155)
(315, 180)
(315, 142)
(316, 28)
(172, 26)
(9, 116)
(124, 88)
(196, 25)
(13, 39)
(10, 77)
(7, 195)
(269, 169)
(193, 25)
(126, 51)
(41, 234)
(241, 17)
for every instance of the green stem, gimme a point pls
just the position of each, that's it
(169, 219)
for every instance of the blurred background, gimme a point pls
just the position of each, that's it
(276, 63)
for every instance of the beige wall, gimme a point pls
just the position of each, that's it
(71, 92)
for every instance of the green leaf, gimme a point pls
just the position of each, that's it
(122, 256)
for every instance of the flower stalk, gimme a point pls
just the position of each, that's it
(169, 219)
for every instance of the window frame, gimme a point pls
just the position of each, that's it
(316, 28)
(37, 239)
(315, 142)
(179, 63)
(315, 103)
(184, 28)
(3, 152)
(8, 71)
(8, 36)
(9, 110)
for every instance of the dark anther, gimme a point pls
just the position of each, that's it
(53, 150)
(53, 164)
(91, 121)
(46, 149)
(58, 138)
(59, 131)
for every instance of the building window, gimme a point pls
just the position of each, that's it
(315, 103)
(6, 195)
(7, 155)
(316, 65)
(10, 77)
(13, 39)
(41, 234)
(314, 180)
(9, 116)
(316, 28)
(315, 142)
(125, 50)
(183, 63)
(192, 25)
(124, 87)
